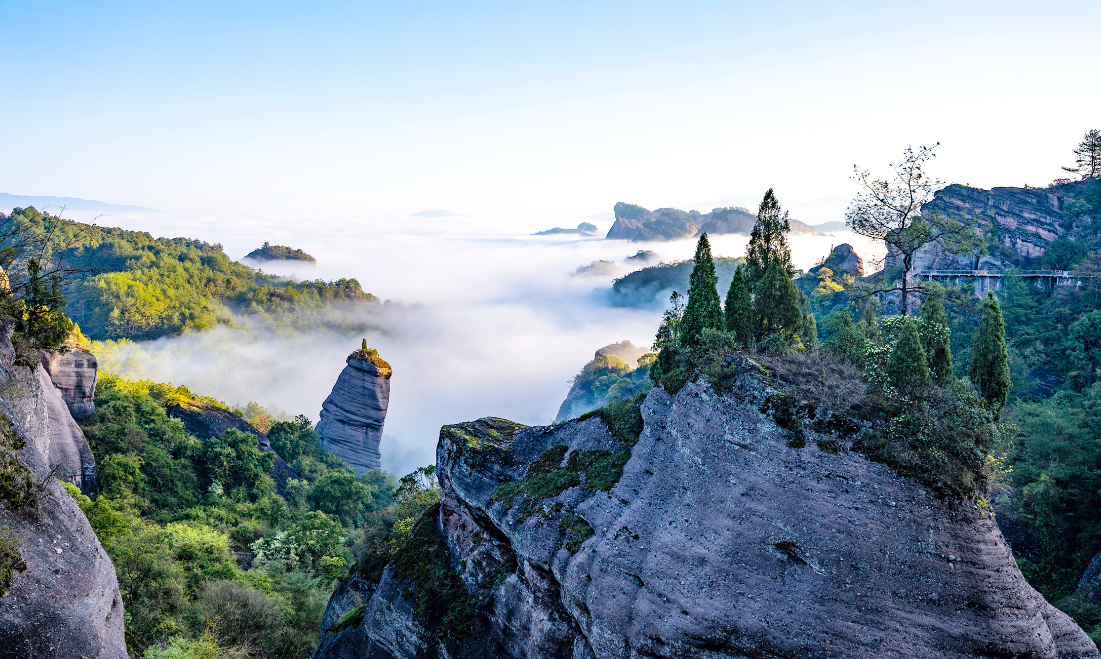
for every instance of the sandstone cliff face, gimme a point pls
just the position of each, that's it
(354, 413)
(1020, 222)
(66, 602)
(74, 374)
(718, 540)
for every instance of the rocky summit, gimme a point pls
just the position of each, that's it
(638, 224)
(842, 260)
(689, 524)
(354, 413)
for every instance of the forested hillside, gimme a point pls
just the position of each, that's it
(211, 559)
(139, 287)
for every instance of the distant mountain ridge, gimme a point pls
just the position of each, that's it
(10, 201)
(639, 224)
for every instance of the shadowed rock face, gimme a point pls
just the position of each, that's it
(66, 603)
(69, 451)
(353, 414)
(718, 540)
(74, 374)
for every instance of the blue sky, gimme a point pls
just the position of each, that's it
(529, 113)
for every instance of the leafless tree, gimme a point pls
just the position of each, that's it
(890, 210)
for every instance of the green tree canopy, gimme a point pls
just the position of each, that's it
(768, 243)
(908, 368)
(776, 305)
(739, 309)
(936, 337)
(703, 311)
(990, 357)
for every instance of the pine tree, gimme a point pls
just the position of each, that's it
(776, 306)
(809, 334)
(739, 309)
(768, 242)
(990, 358)
(908, 368)
(1087, 157)
(703, 309)
(937, 337)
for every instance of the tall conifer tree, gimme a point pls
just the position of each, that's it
(990, 357)
(937, 337)
(776, 305)
(739, 309)
(908, 368)
(703, 309)
(768, 242)
(809, 334)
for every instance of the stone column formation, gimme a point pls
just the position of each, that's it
(353, 414)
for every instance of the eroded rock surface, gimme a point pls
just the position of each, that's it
(66, 602)
(69, 453)
(717, 540)
(74, 374)
(354, 413)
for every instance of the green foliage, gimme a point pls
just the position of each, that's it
(776, 304)
(17, 490)
(990, 358)
(623, 418)
(935, 335)
(156, 287)
(441, 598)
(768, 243)
(349, 620)
(578, 531)
(172, 508)
(703, 311)
(738, 315)
(809, 332)
(603, 381)
(271, 252)
(908, 368)
(40, 321)
(644, 287)
(10, 559)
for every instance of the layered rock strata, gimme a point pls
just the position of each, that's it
(74, 374)
(65, 602)
(354, 413)
(1019, 223)
(717, 539)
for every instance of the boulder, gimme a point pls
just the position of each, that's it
(354, 413)
(65, 601)
(74, 374)
(716, 539)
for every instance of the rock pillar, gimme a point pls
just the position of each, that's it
(353, 414)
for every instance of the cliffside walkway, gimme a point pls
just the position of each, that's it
(1050, 277)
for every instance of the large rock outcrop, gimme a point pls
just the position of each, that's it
(65, 602)
(1020, 223)
(74, 373)
(354, 413)
(718, 539)
(843, 260)
(639, 224)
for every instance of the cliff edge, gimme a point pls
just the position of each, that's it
(59, 595)
(691, 525)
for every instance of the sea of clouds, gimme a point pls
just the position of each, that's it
(481, 320)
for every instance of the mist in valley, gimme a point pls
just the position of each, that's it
(475, 320)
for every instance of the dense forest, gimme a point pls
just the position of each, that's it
(182, 519)
(129, 285)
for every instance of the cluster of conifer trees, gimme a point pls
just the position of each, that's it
(765, 310)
